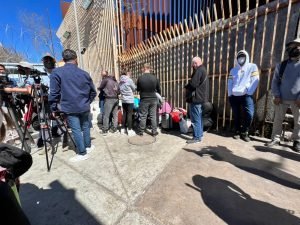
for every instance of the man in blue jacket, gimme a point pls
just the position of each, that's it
(73, 88)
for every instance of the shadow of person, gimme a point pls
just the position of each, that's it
(236, 207)
(260, 167)
(282, 153)
(56, 205)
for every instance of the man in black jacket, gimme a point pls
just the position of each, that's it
(196, 95)
(148, 85)
(111, 90)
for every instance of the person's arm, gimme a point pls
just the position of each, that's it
(93, 92)
(275, 87)
(98, 88)
(230, 84)
(195, 81)
(103, 84)
(25, 90)
(132, 85)
(138, 87)
(158, 90)
(55, 91)
(254, 80)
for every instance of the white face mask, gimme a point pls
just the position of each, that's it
(241, 60)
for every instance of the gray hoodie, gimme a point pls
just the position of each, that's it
(127, 87)
(289, 87)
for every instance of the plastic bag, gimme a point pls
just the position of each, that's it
(183, 126)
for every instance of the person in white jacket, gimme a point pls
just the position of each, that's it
(242, 83)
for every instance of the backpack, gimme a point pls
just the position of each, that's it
(15, 160)
(282, 69)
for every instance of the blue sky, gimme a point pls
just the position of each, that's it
(14, 35)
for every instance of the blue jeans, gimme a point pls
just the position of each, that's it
(101, 106)
(196, 119)
(246, 104)
(80, 126)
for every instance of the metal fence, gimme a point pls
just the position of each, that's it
(262, 31)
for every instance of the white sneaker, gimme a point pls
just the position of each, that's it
(90, 149)
(123, 131)
(78, 158)
(131, 133)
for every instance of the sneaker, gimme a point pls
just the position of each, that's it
(90, 149)
(104, 132)
(123, 131)
(193, 141)
(113, 130)
(272, 143)
(78, 158)
(130, 133)
(154, 133)
(140, 133)
(296, 146)
(245, 137)
(236, 135)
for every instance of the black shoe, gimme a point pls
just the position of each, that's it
(245, 137)
(140, 133)
(193, 141)
(154, 133)
(55, 135)
(272, 143)
(40, 143)
(296, 146)
(113, 130)
(104, 132)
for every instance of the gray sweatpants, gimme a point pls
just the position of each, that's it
(110, 106)
(280, 111)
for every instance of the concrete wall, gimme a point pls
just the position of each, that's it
(97, 35)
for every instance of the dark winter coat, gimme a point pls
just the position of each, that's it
(197, 90)
(148, 85)
(110, 87)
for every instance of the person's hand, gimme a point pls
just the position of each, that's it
(297, 102)
(277, 101)
(54, 114)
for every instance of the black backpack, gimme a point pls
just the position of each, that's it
(282, 69)
(14, 159)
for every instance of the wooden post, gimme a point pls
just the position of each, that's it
(227, 65)
(286, 29)
(270, 63)
(246, 25)
(214, 56)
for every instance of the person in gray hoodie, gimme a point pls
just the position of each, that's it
(127, 87)
(286, 92)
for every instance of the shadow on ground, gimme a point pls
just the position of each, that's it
(56, 205)
(283, 153)
(235, 207)
(260, 167)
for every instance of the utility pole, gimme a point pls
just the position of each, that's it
(50, 33)
(78, 36)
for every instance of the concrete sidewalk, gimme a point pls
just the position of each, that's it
(219, 181)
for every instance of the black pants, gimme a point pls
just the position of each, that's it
(127, 115)
(148, 107)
